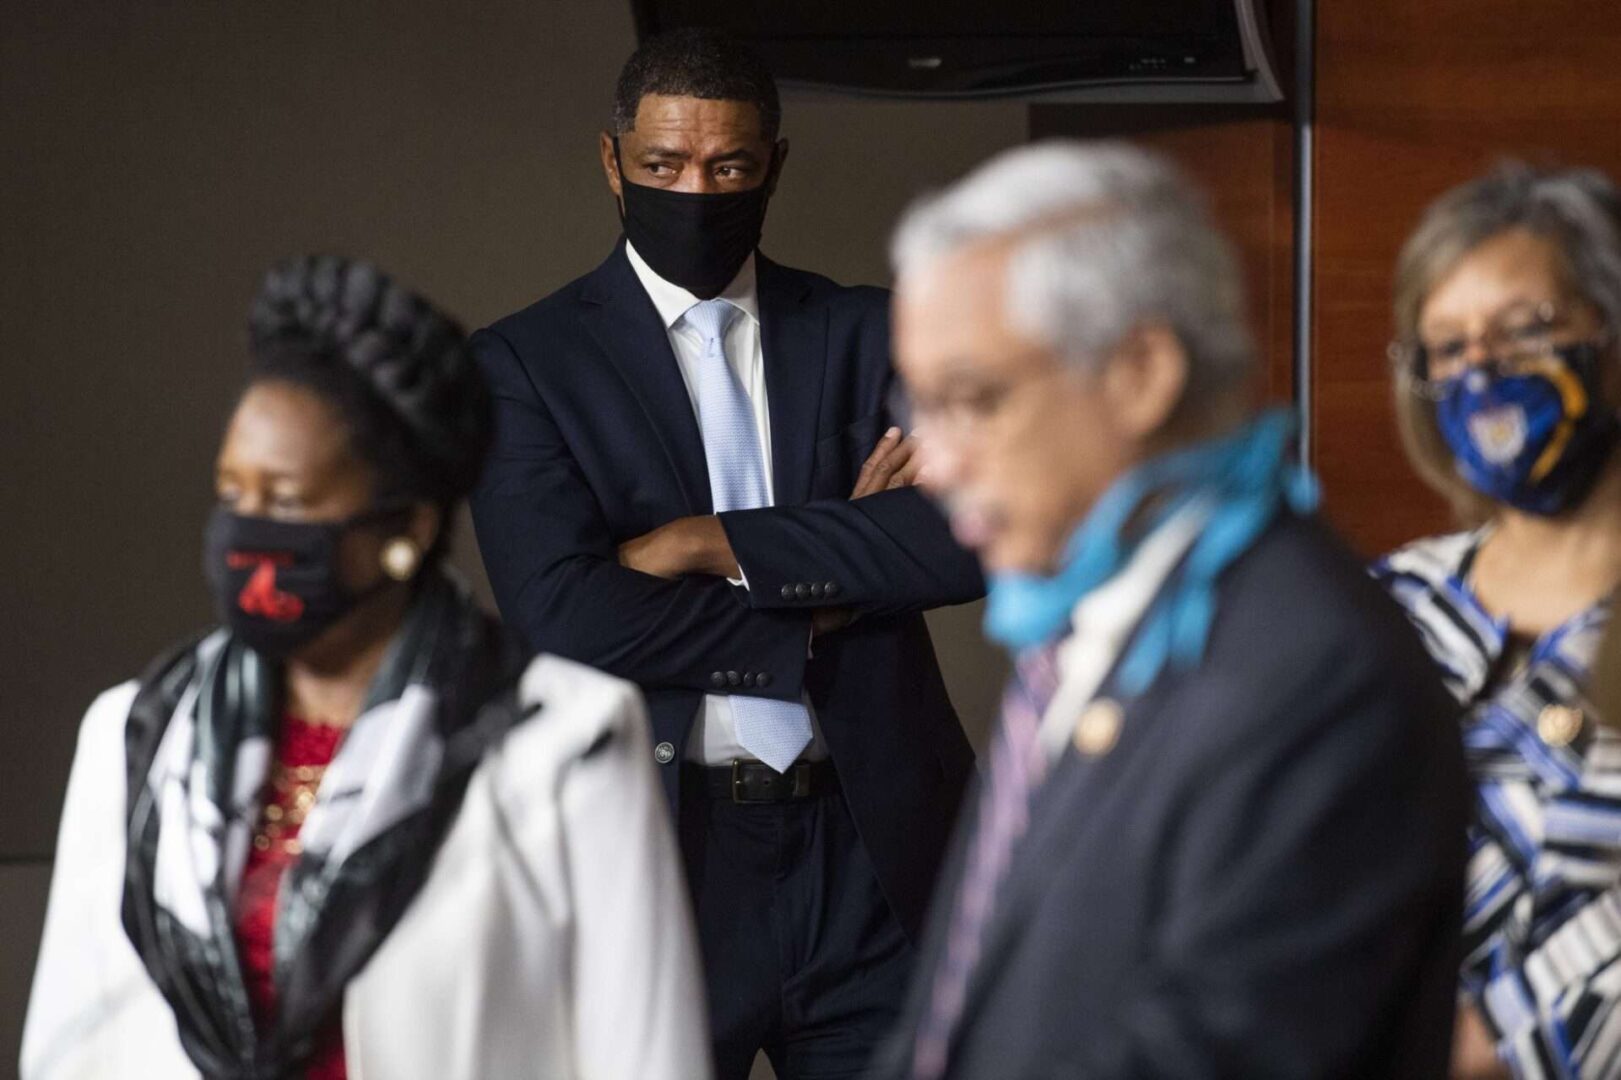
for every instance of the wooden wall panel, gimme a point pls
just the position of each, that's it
(1244, 159)
(1411, 99)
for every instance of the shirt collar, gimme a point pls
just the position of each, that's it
(672, 301)
(1106, 617)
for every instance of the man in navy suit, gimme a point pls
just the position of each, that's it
(696, 485)
(1222, 829)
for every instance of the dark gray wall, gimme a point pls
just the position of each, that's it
(156, 157)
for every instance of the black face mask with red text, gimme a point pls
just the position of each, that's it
(277, 584)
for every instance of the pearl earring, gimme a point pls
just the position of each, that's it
(401, 556)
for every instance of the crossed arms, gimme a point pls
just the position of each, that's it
(658, 608)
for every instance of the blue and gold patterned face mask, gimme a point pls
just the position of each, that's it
(1535, 437)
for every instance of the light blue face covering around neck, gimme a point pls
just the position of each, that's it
(1244, 478)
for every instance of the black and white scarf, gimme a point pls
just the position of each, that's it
(198, 745)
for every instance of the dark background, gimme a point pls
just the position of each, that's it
(157, 157)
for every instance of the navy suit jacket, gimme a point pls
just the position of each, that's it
(1263, 877)
(596, 443)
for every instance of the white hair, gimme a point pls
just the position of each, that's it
(1107, 237)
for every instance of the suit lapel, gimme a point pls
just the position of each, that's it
(793, 338)
(627, 327)
(1060, 816)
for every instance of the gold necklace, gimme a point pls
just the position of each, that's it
(293, 789)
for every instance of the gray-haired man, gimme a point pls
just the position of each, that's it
(1221, 833)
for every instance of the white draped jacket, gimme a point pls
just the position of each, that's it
(552, 937)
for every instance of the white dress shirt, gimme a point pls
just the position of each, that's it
(1105, 618)
(713, 740)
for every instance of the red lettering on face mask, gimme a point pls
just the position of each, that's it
(260, 596)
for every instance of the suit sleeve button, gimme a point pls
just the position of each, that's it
(664, 753)
(734, 678)
(816, 590)
(717, 679)
(830, 589)
(802, 590)
(787, 592)
(748, 678)
(763, 679)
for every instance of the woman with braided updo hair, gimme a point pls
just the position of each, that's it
(350, 831)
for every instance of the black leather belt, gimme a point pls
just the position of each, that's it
(757, 782)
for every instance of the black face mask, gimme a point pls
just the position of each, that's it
(277, 584)
(696, 241)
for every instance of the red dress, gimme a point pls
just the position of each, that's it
(303, 751)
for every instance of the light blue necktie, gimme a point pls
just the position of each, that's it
(773, 731)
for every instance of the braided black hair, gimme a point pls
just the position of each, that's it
(395, 369)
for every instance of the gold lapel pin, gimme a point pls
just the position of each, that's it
(1558, 725)
(1097, 729)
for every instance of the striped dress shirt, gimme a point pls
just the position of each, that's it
(1542, 916)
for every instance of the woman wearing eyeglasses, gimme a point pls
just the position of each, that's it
(1508, 382)
(351, 832)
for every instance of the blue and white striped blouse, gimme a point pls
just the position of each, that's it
(1542, 919)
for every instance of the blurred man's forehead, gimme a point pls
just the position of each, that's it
(951, 316)
(973, 272)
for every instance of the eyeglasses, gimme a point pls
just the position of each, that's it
(1520, 338)
(966, 410)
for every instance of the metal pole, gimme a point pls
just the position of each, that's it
(1304, 117)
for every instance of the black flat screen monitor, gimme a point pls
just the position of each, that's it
(973, 48)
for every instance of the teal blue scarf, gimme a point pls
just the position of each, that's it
(1244, 478)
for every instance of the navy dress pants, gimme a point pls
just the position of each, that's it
(802, 957)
